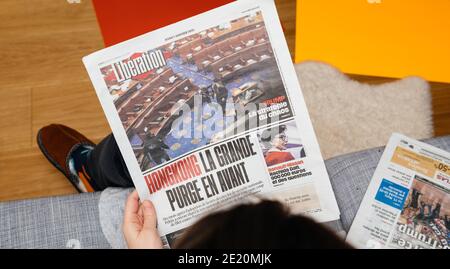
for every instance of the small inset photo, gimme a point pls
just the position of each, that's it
(281, 144)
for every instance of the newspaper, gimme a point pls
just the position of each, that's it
(407, 204)
(209, 111)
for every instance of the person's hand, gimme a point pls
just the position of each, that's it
(139, 224)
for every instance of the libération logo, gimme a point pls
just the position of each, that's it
(135, 66)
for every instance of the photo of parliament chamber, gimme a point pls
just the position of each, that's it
(226, 54)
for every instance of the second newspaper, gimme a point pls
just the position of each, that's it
(407, 203)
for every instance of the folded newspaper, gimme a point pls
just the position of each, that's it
(407, 204)
(209, 111)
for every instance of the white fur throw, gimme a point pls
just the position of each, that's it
(350, 116)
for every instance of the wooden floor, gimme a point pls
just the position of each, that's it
(43, 81)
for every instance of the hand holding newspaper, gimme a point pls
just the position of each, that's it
(407, 204)
(208, 111)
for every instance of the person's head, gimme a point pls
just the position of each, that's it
(280, 141)
(277, 137)
(149, 135)
(215, 86)
(267, 224)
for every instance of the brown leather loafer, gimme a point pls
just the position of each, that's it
(57, 142)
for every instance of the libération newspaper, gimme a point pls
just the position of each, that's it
(407, 203)
(209, 111)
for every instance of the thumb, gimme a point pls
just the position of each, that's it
(149, 213)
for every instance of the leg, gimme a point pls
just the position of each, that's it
(157, 159)
(106, 166)
(166, 157)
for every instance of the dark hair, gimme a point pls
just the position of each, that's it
(268, 134)
(267, 225)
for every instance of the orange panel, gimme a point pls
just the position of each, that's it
(390, 38)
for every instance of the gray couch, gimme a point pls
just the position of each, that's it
(78, 221)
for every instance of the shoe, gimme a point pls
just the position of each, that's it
(57, 142)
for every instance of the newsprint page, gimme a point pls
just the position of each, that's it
(407, 204)
(209, 111)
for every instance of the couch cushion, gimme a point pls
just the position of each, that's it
(55, 222)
